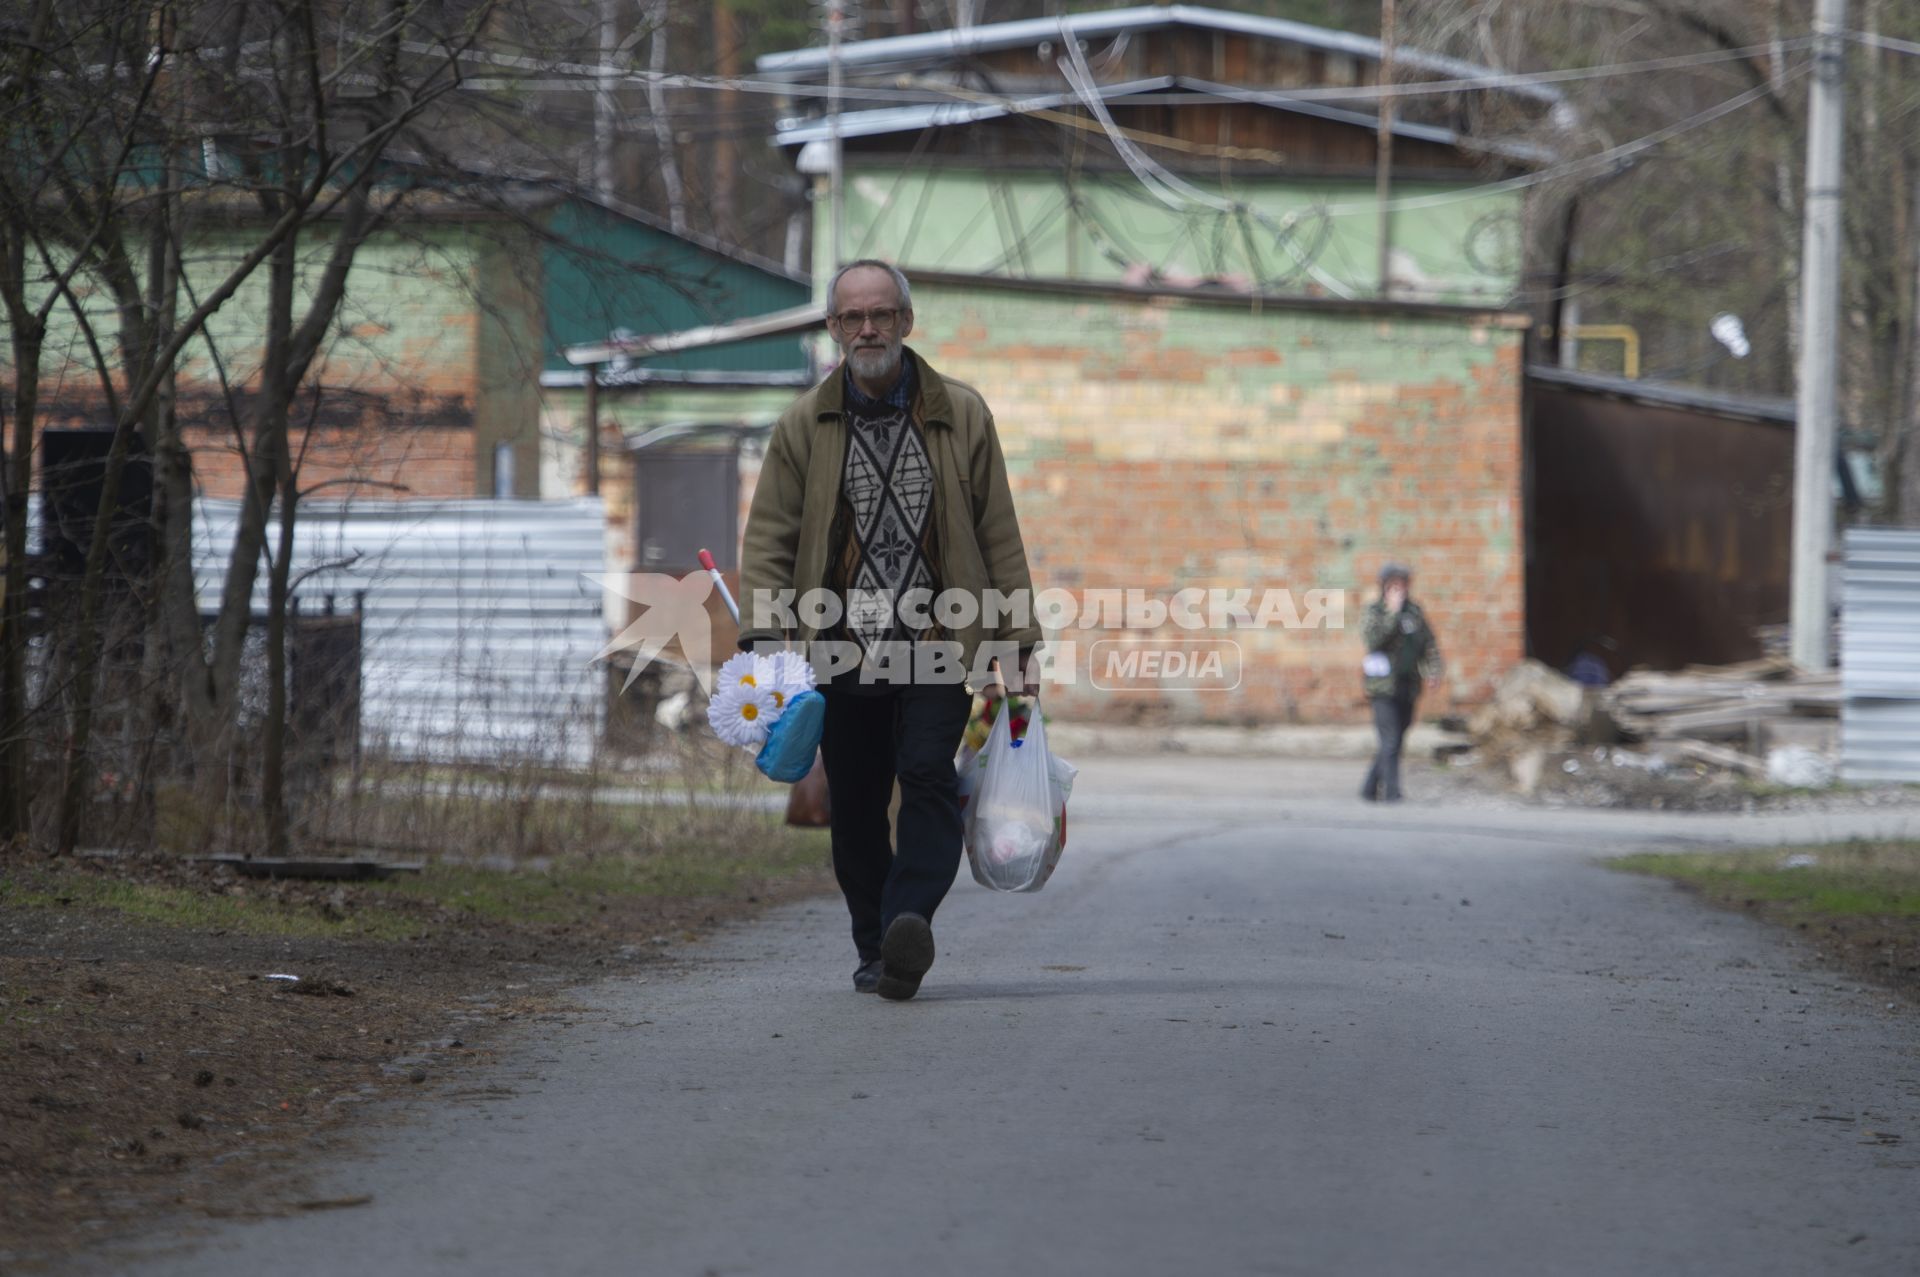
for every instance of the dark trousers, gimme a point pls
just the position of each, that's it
(869, 740)
(1392, 715)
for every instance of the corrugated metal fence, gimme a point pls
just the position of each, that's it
(480, 623)
(1880, 656)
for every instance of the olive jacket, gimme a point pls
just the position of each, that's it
(1407, 642)
(977, 533)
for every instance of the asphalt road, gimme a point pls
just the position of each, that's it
(1250, 1027)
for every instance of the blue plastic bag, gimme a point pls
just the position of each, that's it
(791, 741)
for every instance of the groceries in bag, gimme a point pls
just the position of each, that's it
(974, 739)
(1016, 809)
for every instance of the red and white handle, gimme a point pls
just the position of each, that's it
(706, 561)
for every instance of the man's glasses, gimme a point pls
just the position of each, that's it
(854, 320)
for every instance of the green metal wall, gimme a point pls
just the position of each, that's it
(1461, 247)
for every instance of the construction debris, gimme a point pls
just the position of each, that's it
(1729, 702)
(1733, 716)
(1531, 699)
(1719, 756)
(1535, 711)
(1797, 767)
(1761, 719)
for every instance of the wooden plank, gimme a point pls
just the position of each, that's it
(1760, 667)
(1719, 756)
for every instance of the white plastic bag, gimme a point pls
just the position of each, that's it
(966, 771)
(1016, 811)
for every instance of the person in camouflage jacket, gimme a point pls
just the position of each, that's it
(1401, 652)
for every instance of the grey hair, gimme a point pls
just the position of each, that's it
(899, 281)
(1396, 572)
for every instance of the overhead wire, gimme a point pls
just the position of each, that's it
(1892, 44)
(1168, 187)
(1612, 156)
(1172, 189)
(564, 76)
(1176, 192)
(913, 158)
(1069, 207)
(1155, 178)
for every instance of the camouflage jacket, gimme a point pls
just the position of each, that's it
(1407, 642)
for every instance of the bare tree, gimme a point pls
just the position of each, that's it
(1708, 223)
(137, 120)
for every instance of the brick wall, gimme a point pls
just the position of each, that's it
(353, 462)
(404, 379)
(1165, 443)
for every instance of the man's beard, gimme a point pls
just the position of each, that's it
(875, 365)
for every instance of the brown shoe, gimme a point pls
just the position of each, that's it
(906, 954)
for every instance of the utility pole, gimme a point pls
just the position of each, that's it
(1383, 170)
(726, 47)
(836, 195)
(591, 460)
(1818, 400)
(605, 111)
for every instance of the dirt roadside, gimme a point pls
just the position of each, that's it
(1855, 905)
(153, 1056)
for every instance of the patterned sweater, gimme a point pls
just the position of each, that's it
(883, 532)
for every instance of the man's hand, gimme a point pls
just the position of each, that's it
(1016, 681)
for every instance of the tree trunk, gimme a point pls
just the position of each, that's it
(290, 353)
(269, 422)
(88, 645)
(146, 331)
(662, 128)
(29, 333)
(273, 764)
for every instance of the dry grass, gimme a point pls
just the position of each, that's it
(1858, 902)
(147, 1063)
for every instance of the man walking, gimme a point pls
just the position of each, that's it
(884, 486)
(1401, 650)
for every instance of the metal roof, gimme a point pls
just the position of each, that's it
(1659, 394)
(713, 244)
(870, 55)
(799, 130)
(520, 192)
(1853, 448)
(1401, 127)
(802, 130)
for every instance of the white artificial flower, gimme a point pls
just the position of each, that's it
(744, 669)
(792, 675)
(742, 713)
